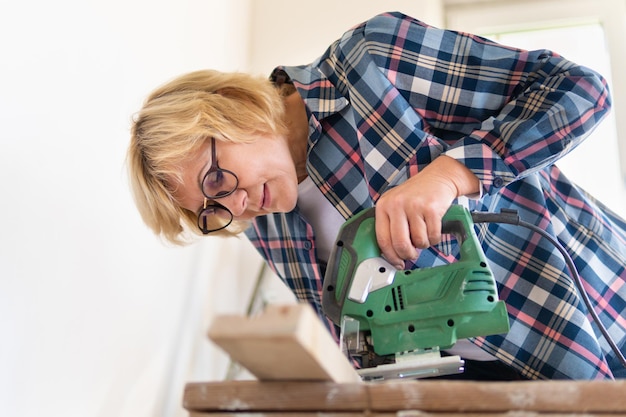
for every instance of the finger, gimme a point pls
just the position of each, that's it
(419, 232)
(383, 237)
(433, 228)
(401, 243)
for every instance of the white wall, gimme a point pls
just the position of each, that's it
(95, 313)
(288, 34)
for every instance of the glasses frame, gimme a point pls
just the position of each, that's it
(210, 198)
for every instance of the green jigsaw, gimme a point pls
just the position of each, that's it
(396, 322)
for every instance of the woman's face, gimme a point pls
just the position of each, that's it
(267, 177)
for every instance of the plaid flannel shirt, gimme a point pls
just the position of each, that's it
(393, 94)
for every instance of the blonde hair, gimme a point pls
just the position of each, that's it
(175, 121)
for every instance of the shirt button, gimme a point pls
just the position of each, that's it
(307, 245)
(498, 182)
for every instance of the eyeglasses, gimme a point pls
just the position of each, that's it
(216, 183)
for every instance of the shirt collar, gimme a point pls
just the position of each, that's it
(321, 97)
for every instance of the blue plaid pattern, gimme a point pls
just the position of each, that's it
(393, 94)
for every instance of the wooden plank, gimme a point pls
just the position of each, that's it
(491, 397)
(284, 396)
(436, 398)
(406, 413)
(285, 342)
(287, 414)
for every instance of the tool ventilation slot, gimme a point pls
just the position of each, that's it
(398, 301)
(481, 281)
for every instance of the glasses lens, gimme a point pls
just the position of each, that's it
(219, 183)
(214, 218)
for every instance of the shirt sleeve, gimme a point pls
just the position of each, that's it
(501, 111)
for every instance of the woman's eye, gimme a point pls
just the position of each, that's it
(215, 179)
(219, 177)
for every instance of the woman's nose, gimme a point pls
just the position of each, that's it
(235, 202)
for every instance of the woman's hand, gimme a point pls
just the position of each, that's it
(408, 217)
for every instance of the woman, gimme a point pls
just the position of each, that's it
(410, 119)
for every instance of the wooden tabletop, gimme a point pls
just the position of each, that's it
(406, 398)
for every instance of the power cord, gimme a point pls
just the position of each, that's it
(511, 217)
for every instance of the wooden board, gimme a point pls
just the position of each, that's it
(407, 398)
(292, 396)
(285, 342)
(489, 397)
